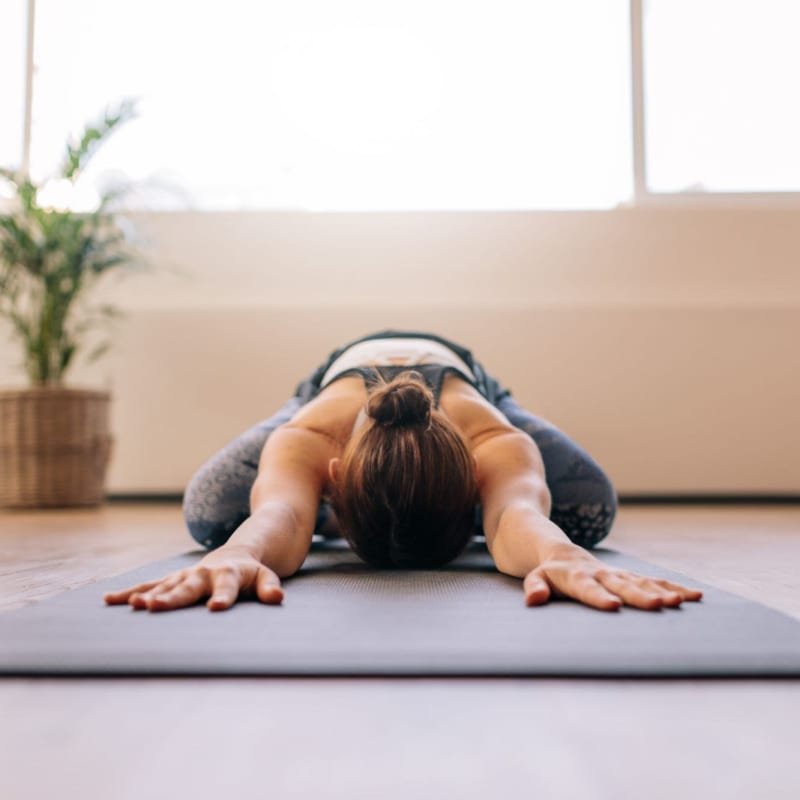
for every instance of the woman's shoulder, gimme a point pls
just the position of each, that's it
(315, 434)
(471, 412)
(334, 410)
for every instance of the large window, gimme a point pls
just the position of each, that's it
(721, 105)
(366, 104)
(424, 104)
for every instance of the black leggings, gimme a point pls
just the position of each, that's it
(217, 500)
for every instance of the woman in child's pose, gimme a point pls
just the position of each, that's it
(403, 444)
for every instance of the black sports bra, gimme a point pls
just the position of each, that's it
(487, 385)
(433, 374)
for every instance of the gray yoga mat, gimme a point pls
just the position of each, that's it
(340, 617)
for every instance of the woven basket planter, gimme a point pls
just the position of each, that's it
(55, 446)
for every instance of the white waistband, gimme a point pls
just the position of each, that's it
(395, 351)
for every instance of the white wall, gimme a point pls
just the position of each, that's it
(662, 339)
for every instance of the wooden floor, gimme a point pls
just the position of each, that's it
(413, 738)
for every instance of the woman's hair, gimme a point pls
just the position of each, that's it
(407, 489)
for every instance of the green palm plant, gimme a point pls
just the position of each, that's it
(51, 258)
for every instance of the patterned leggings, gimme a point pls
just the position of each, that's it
(584, 503)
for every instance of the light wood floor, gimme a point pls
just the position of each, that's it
(413, 738)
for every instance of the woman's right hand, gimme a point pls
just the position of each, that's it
(222, 576)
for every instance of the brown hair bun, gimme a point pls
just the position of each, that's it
(405, 400)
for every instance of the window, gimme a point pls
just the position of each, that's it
(355, 105)
(720, 95)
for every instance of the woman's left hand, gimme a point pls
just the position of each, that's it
(585, 578)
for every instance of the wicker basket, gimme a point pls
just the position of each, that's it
(55, 447)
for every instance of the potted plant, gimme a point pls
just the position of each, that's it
(55, 441)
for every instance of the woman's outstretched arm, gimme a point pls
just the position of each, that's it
(270, 544)
(524, 543)
(285, 498)
(515, 502)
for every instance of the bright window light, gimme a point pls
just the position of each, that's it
(721, 105)
(359, 105)
(13, 38)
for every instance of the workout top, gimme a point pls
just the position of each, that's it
(486, 384)
(378, 358)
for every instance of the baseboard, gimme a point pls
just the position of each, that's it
(624, 499)
(708, 499)
(144, 497)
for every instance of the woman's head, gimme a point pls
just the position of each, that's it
(404, 492)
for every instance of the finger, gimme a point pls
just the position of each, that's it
(170, 582)
(536, 588)
(122, 595)
(268, 586)
(629, 591)
(588, 590)
(189, 591)
(226, 589)
(684, 591)
(648, 585)
(670, 597)
(142, 600)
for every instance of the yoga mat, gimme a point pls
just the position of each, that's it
(341, 617)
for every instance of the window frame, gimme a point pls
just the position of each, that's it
(29, 70)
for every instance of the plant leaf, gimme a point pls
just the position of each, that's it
(98, 351)
(65, 357)
(79, 155)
